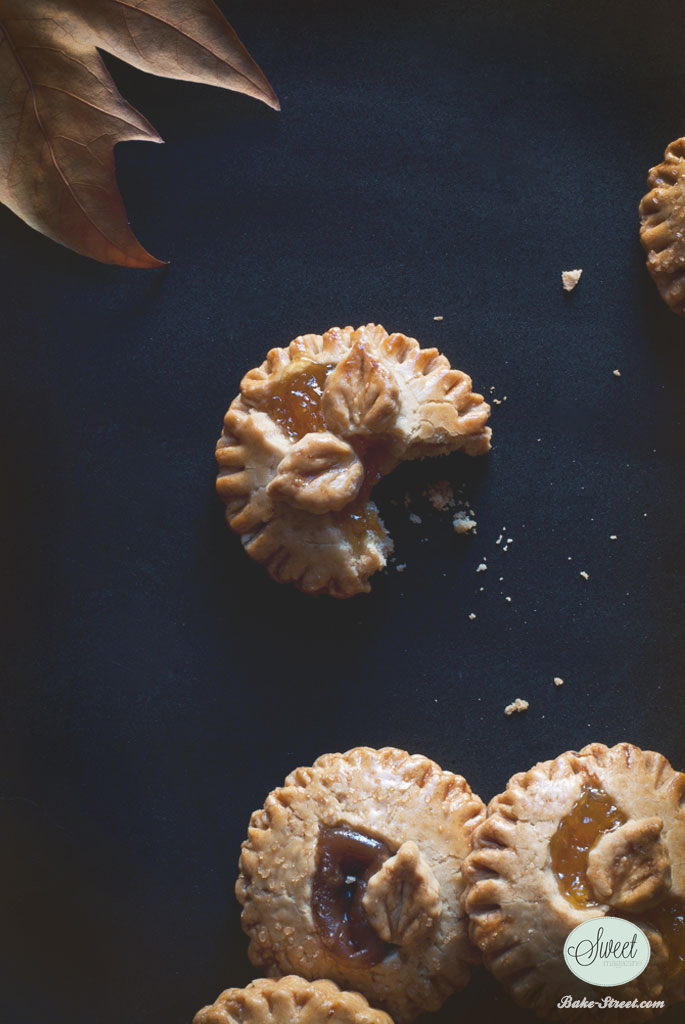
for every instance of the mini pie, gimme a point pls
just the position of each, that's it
(662, 231)
(351, 871)
(315, 427)
(595, 833)
(290, 1000)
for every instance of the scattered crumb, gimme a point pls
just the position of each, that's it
(438, 318)
(584, 574)
(497, 401)
(441, 495)
(413, 518)
(613, 537)
(472, 616)
(499, 539)
(492, 388)
(517, 705)
(463, 523)
(401, 567)
(507, 599)
(617, 373)
(569, 279)
(558, 681)
(482, 567)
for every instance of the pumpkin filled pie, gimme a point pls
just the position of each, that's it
(662, 231)
(589, 834)
(351, 871)
(312, 431)
(290, 1000)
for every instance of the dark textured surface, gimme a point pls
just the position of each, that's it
(451, 160)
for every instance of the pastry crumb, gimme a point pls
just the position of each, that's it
(463, 523)
(558, 681)
(441, 495)
(438, 318)
(613, 537)
(482, 567)
(401, 567)
(584, 574)
(497, 401)
(413, 518)
(569, 279)
(472, 616)
(617, 373)
(517, 705)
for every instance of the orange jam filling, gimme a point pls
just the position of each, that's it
(357, 524)
(592, 815)
(294, 402)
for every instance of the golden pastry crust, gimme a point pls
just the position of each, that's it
(290, 1000)
(423, 818)
(662, 230)
(311, 432)
(552, 854)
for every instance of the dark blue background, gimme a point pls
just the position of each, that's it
(449, 160)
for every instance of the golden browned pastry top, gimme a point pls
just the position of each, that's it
(662, 231)
(312, 431)
(351, 871)
(600, 832)
(290, 1000)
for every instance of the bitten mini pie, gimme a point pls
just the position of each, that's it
(312, 431)
(600, 832)
(290, 1000)
(351, 871)
(662, 232)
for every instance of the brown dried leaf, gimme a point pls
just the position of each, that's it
(61, 114)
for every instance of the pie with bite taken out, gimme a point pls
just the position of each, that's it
(351, 871)
(312, 431)
(590, 834)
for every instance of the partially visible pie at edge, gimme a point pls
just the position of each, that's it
(595, 833)
(291, 999)
(662, 231)
(312, 431)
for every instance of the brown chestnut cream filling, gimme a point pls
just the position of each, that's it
(345, 861)
(593, 815)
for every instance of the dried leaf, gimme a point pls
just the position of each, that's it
(61, 114)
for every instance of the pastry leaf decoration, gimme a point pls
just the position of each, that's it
(61, 114)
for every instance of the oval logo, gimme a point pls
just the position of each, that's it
(607, 951)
